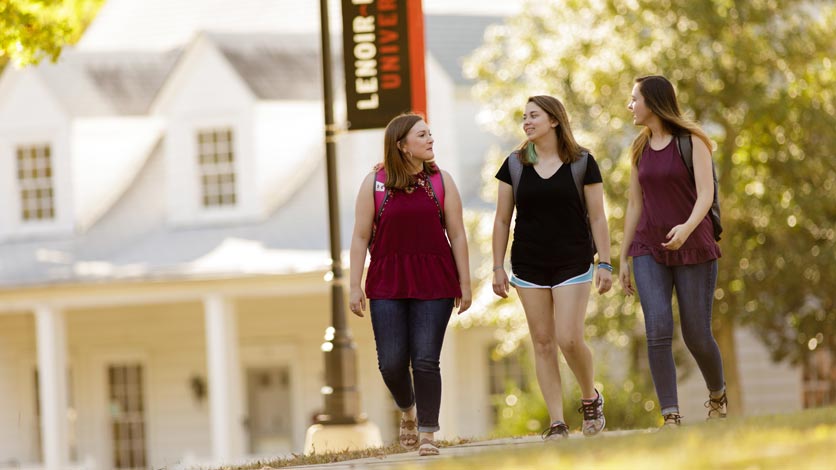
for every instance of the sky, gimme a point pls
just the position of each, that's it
(164, 24)
(473, 7)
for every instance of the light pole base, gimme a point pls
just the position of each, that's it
(322, 438)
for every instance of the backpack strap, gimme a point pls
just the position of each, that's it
(380, 192)
(515, 166)
(686, 151)
(436, 181)
(578, 168)
(437, 185)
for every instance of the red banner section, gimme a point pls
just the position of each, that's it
(383, 50)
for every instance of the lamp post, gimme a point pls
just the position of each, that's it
(342, 398)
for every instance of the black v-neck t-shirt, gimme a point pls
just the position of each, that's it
(550, 229)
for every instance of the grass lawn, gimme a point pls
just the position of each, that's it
(799, 441)
(805, 440)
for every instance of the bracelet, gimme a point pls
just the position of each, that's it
(605, 265)
(498, 267)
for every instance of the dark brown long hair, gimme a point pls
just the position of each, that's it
(567, 148)
(660, 98)
(394, 160)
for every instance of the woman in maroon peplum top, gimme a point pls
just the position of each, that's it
(669, 235)
(415, 276)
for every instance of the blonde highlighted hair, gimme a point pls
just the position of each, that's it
(660, 98)
(395, 161)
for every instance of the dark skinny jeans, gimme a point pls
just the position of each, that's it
(410, 331)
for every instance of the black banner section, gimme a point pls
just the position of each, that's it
(377, 50)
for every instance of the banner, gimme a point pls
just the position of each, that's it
(383, 53)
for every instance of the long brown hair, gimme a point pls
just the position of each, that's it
(567, 148)
(394, 160)
(660, 98)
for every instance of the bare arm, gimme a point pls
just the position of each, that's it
(594, 195)
(631, 221)
(458, 238)
(363, 221)
(501, 233)
(704, 179)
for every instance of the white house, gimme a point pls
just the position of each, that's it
(163, 239)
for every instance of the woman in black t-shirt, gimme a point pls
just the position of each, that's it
(552, 254)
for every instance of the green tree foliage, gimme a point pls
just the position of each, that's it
(31, 30)
(760, 77)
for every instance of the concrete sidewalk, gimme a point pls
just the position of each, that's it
(412, 459)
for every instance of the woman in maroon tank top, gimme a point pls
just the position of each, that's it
(669, 235)
(415, 276)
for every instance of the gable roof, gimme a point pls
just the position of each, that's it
(163, 25)
(275, 66)
(106, 83)
(130, 81)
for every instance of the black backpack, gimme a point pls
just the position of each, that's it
(686, 151)
(578, 168)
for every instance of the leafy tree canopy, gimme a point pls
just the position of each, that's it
(31, 30)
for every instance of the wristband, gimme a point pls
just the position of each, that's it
(498, 267)
(605, 265)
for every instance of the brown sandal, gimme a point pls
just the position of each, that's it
(427, 447)
(408, 435)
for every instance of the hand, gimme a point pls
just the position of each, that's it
(624, 278)
(603, 280)
(357, 301)
(501, 286)
(677, 237)
(463, 302)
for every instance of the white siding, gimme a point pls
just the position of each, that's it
(465, 408)
(168, 340)
(30, 115)
(767, 387)
(205, 92)
(18, 424)
(288, 144)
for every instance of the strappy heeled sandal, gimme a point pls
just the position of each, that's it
(408, 434)
(427, 447)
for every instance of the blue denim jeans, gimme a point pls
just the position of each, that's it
(694, 286)
(410, 331)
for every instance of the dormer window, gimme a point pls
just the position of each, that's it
(216, 166)
(34, 177)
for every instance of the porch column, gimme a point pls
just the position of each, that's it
(225, 397)
(451, 376)
(52, 386)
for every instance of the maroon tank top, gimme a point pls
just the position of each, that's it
(668, 197)
(411, 257)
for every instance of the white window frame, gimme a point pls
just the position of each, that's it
(143, 399)
(100, 360)
(217, 194)
(12, 225)
(31, 160)
(184, 189)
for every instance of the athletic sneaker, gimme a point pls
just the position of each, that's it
(672, 421)
(593, 415)
(558, 430)
(716, 407)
